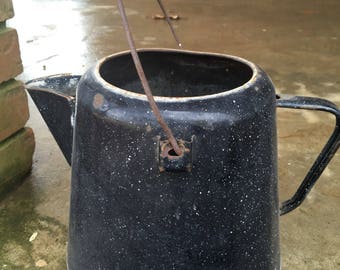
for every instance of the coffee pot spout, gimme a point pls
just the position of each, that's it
(55, 98)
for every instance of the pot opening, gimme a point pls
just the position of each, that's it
(176, 73)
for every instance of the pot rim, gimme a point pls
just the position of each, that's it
(130, 94)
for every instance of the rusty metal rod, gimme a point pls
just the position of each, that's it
(169, 23)
(144, 81)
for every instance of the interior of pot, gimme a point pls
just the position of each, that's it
(176, 73)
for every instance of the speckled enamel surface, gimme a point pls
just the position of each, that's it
(223, 214)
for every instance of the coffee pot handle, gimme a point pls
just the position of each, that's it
(327, 153)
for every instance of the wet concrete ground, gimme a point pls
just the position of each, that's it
(296, 42)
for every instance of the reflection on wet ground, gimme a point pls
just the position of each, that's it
(296, 42)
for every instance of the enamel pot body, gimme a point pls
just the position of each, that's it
(135, 204)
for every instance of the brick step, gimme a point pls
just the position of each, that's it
(10, 60)
(6, 10)
(15, 158)
(14, 108)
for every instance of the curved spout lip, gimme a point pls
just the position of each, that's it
(131, 94)
(55, 100)
(36, 88)
(53, 84)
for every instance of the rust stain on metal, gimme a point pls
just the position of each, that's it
(167, 149)
(98, 101)
(169, 161)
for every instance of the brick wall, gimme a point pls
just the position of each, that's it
(16, 141)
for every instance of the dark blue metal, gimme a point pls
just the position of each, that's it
(221, 214)
(135, 204)
(55, 99)
(327, 153)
